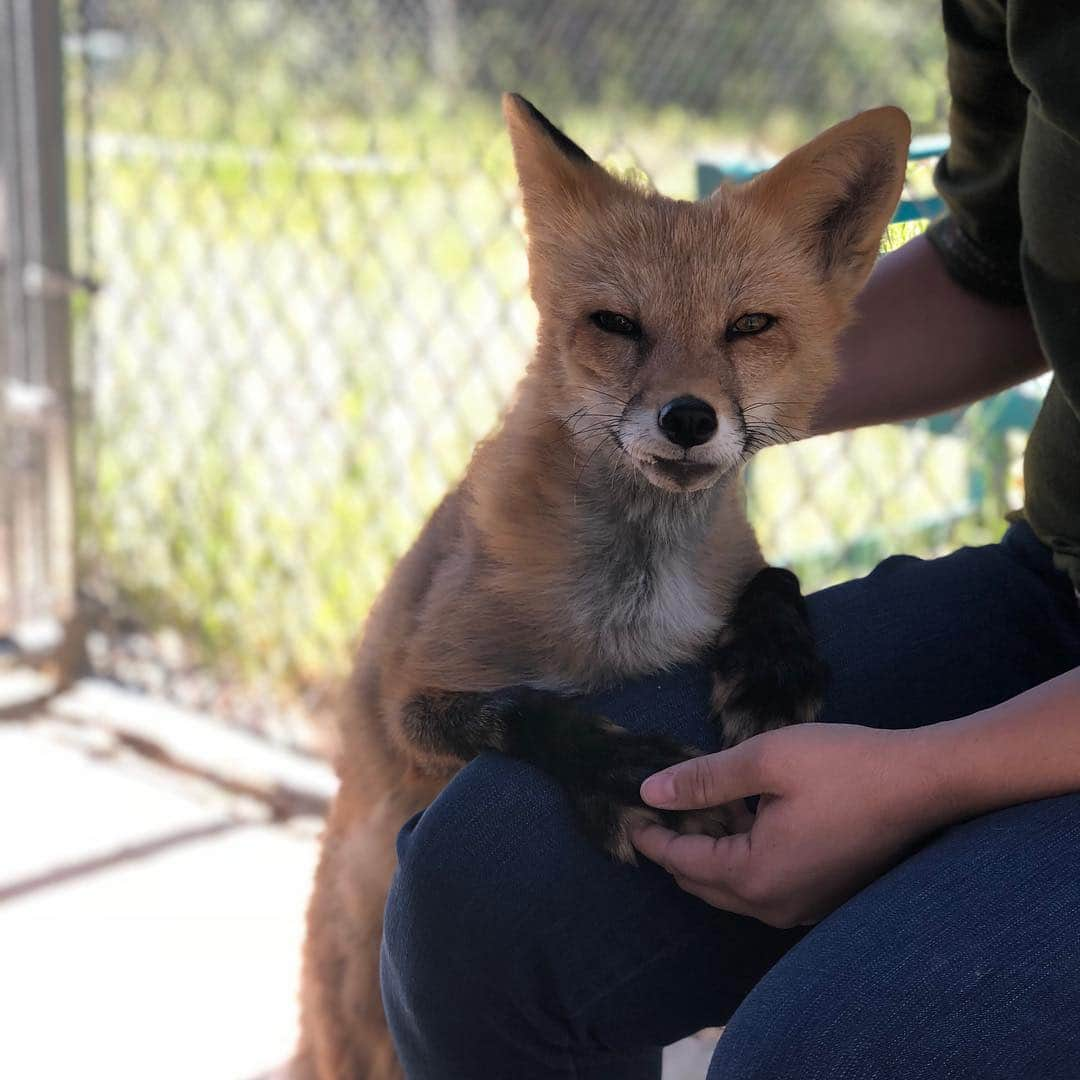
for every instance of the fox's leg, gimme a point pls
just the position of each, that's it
(600, 766)
(343, 1029)
(766, 669)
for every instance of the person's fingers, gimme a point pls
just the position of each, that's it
(717, 821)
(738, 817)
(709, 780)
(715, 862)
(732, 817)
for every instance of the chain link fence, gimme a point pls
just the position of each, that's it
(303, 219)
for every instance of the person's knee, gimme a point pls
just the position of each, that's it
(465, 893)
(920, 976)
(806, 1031)
(846, 1001)
(468, 947)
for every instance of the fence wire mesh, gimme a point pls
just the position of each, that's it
(304, 221)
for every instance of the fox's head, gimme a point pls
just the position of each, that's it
(683, 336)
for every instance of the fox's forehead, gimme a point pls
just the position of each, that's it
(665, 254)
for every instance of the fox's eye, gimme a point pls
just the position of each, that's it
(611, 322)
(753, 323)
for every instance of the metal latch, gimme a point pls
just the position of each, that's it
(39, 280)
(27, 401)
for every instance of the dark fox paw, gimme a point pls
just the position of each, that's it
(609, 824)
(599, 765)
(604, 792)
(767, 671)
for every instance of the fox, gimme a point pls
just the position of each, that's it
(600, 532)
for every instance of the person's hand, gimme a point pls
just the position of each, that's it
(839, 805)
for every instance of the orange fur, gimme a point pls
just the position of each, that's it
(502, 588)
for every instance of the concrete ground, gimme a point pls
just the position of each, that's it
(150, 923)
(149, 926)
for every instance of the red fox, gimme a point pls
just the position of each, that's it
(600, 532)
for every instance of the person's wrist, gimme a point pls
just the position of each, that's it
(931, 769)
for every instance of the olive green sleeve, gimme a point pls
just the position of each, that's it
(979, 238)
(1044, 44)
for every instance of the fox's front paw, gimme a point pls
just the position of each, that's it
(604, 790)
(599, 765)
(767, 671)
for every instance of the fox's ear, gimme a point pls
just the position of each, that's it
(839, 191)
(554, 172)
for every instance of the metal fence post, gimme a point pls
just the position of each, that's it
(37, 549)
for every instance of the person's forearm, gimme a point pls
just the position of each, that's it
(921, 344)
(1023, 749)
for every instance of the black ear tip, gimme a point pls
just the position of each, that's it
(520, 103)
(531, 111)
(566, 145)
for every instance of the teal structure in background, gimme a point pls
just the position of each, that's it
(712, 172)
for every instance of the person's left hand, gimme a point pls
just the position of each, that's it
(839, 805)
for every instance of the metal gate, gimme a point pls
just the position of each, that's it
(37, 560)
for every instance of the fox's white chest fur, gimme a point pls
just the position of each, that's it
(662, 616)
(641, 603)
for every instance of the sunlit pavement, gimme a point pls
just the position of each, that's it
(149, 927)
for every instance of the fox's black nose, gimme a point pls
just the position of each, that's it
(688, 421)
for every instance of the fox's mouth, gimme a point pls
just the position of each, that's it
(681, 475)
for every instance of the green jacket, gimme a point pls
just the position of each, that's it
(1011, 180)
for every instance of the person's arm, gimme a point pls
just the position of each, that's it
(840, 804)
(943, 321)
(922, 343)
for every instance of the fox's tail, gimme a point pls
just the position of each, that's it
(343, 1028)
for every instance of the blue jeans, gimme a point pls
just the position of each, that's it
(514, 950)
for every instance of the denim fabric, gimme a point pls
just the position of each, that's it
(514, 950)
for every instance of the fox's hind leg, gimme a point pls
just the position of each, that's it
(343, 1028)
